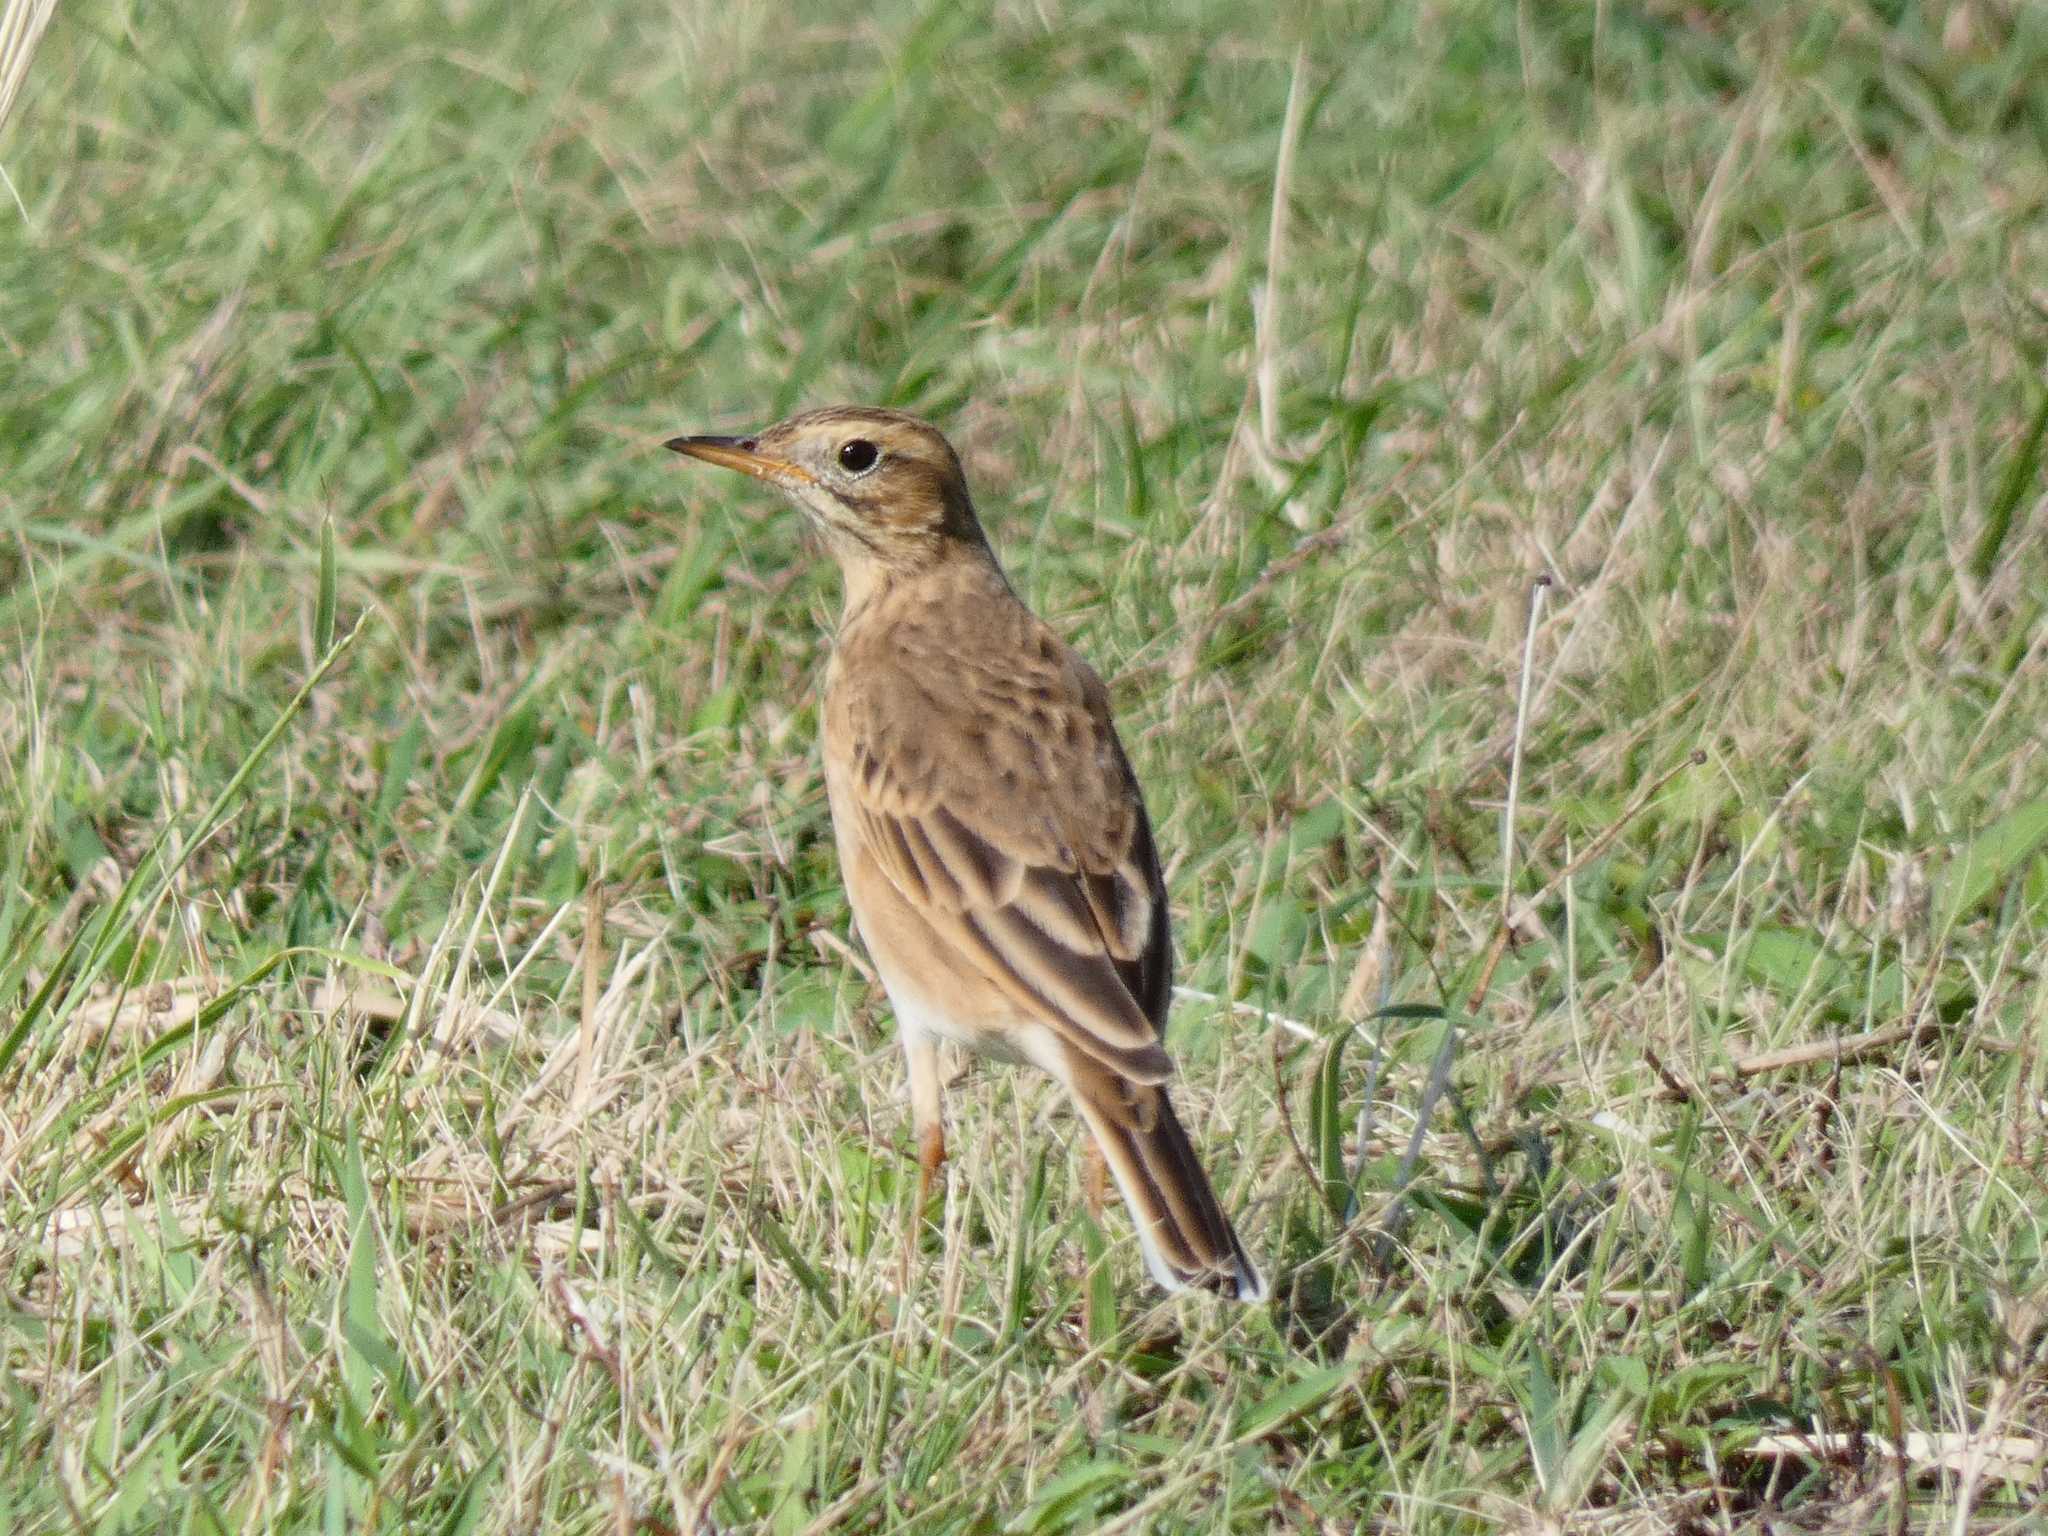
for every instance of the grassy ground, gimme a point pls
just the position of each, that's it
(435, 1089)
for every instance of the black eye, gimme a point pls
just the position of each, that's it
(857, 455)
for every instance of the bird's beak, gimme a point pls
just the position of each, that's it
(744, 455)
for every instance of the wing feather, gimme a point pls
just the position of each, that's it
(1024, 842)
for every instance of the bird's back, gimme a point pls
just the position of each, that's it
(954, 713)
(951, 690)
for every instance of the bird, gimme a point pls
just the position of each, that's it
(991, 834)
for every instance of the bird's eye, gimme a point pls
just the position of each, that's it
(857, 455)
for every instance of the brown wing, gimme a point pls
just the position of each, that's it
(997, 799)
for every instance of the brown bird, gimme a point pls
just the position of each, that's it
(991, 833)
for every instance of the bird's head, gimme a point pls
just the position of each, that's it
(885, 490)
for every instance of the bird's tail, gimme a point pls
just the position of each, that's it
(1187, 1240)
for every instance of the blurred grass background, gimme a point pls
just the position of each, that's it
(434, 1090)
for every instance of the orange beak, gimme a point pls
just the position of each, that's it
(744, 455)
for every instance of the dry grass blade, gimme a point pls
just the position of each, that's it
(1267, 373)
(21, 29)
(2020, 1459)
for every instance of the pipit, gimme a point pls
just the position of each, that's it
(991, 834)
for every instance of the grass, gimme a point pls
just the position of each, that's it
(435, 1089)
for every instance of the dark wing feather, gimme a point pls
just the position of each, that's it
(1005, 810)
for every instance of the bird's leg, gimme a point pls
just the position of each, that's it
(931, 1153)
(921, 1057)
(1094, 1178)
(921, 1053)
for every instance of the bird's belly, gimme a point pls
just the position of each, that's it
(921, 1018)
(936, 991)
